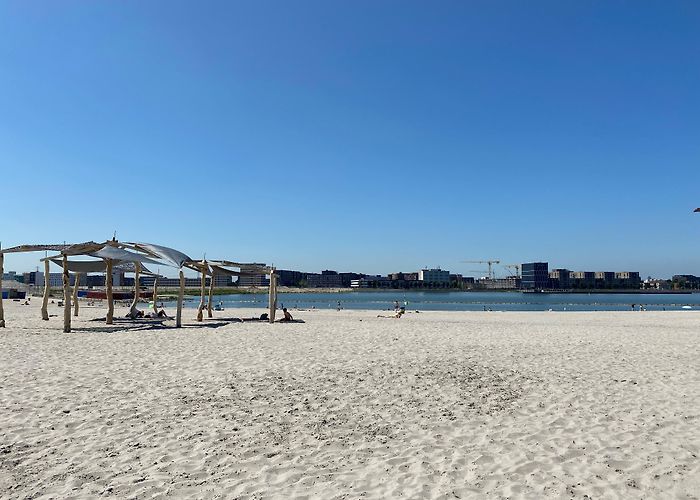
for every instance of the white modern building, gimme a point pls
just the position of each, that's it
(434, 276)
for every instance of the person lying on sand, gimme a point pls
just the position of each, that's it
(158, 314)
(398, 314)
(134, 314)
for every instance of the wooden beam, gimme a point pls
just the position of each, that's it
(47, 292)
(211, 295)
(66, 296)
(2, 311)
(272, 296)
(180, 299)
(133, 309)
(76, 283)
(155, 294)
(110, 296)
(200, 309)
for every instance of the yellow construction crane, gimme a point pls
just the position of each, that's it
(489, 262)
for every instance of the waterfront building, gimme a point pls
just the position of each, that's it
(346, 278)
(434, 276)
(289, 278)
(509, 283)
(582, 279)
(9, 276)
(627, 279)
(535, 275)
(604, 279)
(327, 279)
(94, 280)
(559, 278)
(371, 282)
(255, 279)
(657, 284)
(686, 281)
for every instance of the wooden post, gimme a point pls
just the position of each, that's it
(180, 298)
(2, 311)
(211, 293)
(110, 297)
(66, 296)
(133, 309)
(200, 315)
(273, 296)
(47, 292)
(155, 294)
(76, 283)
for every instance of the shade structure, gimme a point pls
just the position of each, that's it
(85, 266)
(114, 253)
(171, 256)
(100, 266)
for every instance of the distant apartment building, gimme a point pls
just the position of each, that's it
(94, 280)
(220, 281)
(686, 281)
(254, 278)
(346, 278)
(604, 279)
(327, 279)
(289, 278)
(434, 276)
(627, 279)
(657, 284)
(535, 275)
(508, 283)
(559, 278)
(36, 278)
(371, 282)
(582, 279)
(10, 276)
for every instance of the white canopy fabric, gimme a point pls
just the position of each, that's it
(169, 255)
(84, 266)
(100, 266)
(114, 253)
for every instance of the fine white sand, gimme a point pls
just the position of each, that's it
(348, 405)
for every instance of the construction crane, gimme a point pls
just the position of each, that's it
(489, 262)
(516, 268)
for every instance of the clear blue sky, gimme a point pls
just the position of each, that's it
(372, 136)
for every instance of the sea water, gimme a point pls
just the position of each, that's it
(463, 301)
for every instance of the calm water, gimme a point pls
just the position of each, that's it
(463, 301)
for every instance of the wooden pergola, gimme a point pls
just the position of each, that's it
(130, 257)
(227, 268)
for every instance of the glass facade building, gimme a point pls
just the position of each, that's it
(535, 275)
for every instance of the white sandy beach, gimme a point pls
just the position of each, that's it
(348, 405)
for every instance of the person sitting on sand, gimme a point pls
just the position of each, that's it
(287, 316)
